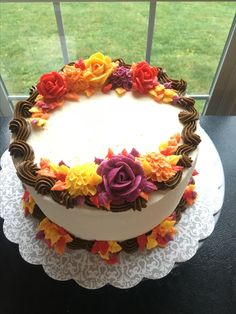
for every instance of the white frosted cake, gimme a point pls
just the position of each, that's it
(105, 151)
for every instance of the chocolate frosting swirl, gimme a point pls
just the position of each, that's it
(33, 95)
(188, 135)
(186, 102)
(27, 172)
(161, 186)
(120, 207)
(56, 196)
(63, 198)
(122, 63)
(68, 200)
(138, 204)
(22, 109)
(190, 138)
(182, 204)
(21, 128)
(179, 85)
(44, 184)
(70, 63)
(188, 116)
(32, 90)
(180, 209)
(174, 181)
(80, 244)
(184, 149)
(185, 161)
(20, 149)
(37, 213)
(129, 246)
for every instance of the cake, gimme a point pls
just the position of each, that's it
(106, 152)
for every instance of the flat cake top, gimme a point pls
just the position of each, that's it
(80, 131)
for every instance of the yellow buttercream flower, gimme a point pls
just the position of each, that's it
(83, 179)
(98, 69)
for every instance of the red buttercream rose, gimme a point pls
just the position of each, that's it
(51, 86)
(144, 77)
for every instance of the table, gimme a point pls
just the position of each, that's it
(205, 284)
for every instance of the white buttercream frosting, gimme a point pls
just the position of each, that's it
(80, 131)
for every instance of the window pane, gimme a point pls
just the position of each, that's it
(199, 104)
(29, 44)
(115, 29)
(189, 39)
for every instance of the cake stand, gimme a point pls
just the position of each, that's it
(88, 270)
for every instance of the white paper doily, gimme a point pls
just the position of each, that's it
(89, 270)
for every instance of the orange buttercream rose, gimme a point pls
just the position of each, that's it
(98, 69)
(75, 79)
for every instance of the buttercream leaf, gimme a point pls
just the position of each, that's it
(114, 247)
(173, 159)
(113, 259)
(72, 96)
(142, 240)
(46, 172)
(52, 235)
(60, 246)
(151, 243)
(59, 186)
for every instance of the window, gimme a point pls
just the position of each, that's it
(37, 37)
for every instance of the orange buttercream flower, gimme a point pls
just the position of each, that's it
(75, 79)
(156, 167)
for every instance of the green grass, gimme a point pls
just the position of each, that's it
(188, 38)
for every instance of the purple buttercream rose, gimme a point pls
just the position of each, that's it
(123, 179)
